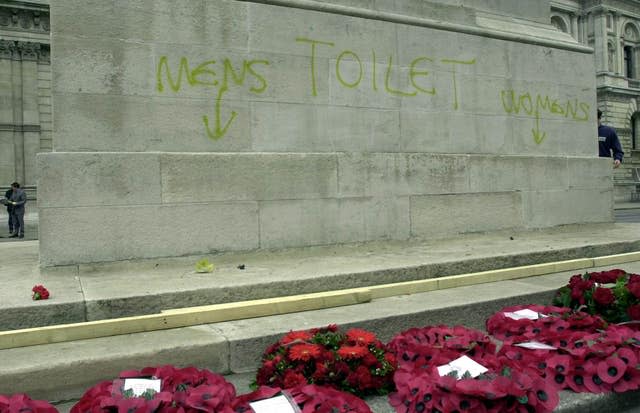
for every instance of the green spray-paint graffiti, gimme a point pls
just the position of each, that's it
(417, 75)
(205, 75)
(536, 104)
(222, 75)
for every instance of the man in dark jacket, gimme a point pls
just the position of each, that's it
(17, 200)
(608, 142)
(7, 195)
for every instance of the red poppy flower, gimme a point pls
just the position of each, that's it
(607, 277)
(627, 356)
(23, 403)
(304, 352)
(208, 398)
(293, 379)
(630, 381)
(39, 292)
(604, 296)
(611, 369)
(544, 394)
(576, 381)
(352, 352)
(634, 311)
(634, 289)
(592, 381)
(296, 337)
(361, 337)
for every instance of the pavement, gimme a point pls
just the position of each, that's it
(103, 291)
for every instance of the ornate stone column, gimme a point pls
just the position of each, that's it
(601, 44)
(24, 45)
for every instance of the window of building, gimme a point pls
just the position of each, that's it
(628, 62)
(635, 130)
(559, 23)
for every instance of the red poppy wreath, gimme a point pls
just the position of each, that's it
(23, 403)
(527, 322)
(355, 361)
(614, 295)
(309, 398)
(570, 349)
(431, 378)
(187, 390)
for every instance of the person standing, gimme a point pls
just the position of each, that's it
(7, 195)
(608, 142)
(17, 200)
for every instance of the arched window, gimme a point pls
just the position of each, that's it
(631, 38)
(631, 32)
(635, 131)
(559, 23)
(611, 53)
(628, 62)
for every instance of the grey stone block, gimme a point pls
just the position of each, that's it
(586, 173)
(447, 215)
(92, 179)
(107, 233)
(344, 32)
(216, 24)
(103, 66)
(393, 174)
(134, 123)
(247, 177)
(281, 127)
(289, 223)
(569, 206)
(516, 173)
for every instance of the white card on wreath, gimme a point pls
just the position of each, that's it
(536, 345)
(523, 314)
(139, 386)
(278, 404)
(461, 366)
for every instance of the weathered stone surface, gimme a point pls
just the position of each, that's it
(247, 177)
(445, 215)
(105, 233)
(549, 208)
(92, 179)
(300, 124)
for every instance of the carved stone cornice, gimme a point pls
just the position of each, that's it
(18, 50)
(19, 128)
(24, 17)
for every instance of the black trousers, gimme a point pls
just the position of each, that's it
(18, 222)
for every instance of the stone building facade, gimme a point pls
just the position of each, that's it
(612, 28)
(25, 90)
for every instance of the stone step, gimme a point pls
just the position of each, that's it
(62, 371)
(130, 288)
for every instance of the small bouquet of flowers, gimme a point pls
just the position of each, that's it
(355, 361)
(22, 403)
(614, 295)
(39, 292)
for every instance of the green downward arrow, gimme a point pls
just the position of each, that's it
(537, 137)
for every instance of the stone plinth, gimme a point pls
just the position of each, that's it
(198, 126)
